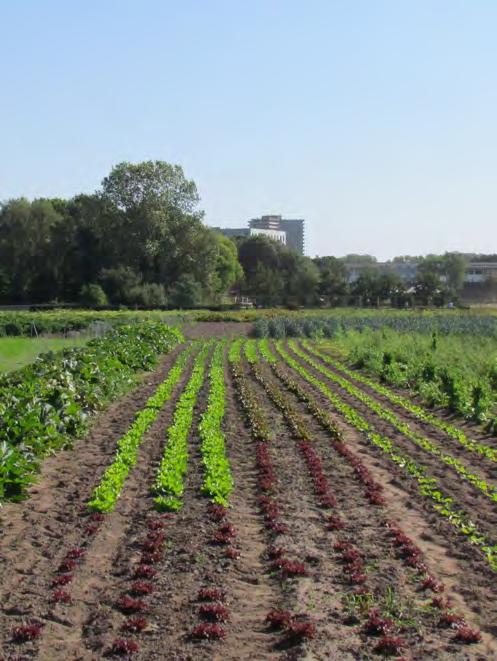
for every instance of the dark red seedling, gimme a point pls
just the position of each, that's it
(221, 538)
(145, 571)
(96, 517)
(278, 528)
(358, 578)
(342, 546)
(153, 546)
(232, 553)
(91, 530)
(63, 579)
(290, 568)
(156, 536)
(67, 565)
(140, 588)
(129, 605)
(217, 512)
(214, 612)
(135, 624)
(350, 556)
(75, 554)
(25, 632)
(211, 594)
(124, 646)
(431, 583)
(327, 501)
(151, 558)
(468, 636)
(275, 552)
(390, 645)
(60, 597)
(278, 619)
(208, 632)
(155, 524)
(335, 523)
(441, 602)
(298, 630)
(377, 625)
(452, 620)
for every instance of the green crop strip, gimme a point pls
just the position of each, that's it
(168, 487)
(489, 490)
(427, 486)
(107, 492)
(218, 482)
(419, 412)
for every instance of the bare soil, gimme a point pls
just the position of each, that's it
(36, 535)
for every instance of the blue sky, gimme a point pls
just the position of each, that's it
(376, 120)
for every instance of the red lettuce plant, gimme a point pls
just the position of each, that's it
(214, 612)
(25, 632)
(123, 646)
(135, 624)
(208, 632)
(129, 605)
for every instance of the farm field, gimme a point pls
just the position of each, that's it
(252, 499)
(18, 351)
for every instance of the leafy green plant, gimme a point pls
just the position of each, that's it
(218, 482)
(168, 487)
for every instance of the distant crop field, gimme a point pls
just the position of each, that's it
(18, 351)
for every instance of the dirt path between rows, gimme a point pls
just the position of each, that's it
(220, 329)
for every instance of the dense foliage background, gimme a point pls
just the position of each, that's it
(140, 241)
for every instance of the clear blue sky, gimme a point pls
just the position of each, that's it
(376, 120)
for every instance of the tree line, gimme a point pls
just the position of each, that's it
(139, 240)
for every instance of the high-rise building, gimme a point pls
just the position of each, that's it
(294, 233)
(294, 229)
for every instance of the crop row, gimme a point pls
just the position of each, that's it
(107, 492)
(427, 486)
(417, 411)
(332, 324)
(218, 482)
(46, 404)
(168, 486)
(389, 416)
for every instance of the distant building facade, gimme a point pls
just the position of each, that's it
(287, 231)
(275, 235)
(294, 229)
(476, 272)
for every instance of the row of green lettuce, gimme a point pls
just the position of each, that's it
(48, 403)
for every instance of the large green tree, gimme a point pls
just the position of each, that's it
(332, 286)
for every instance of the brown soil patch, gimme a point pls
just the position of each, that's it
(220, 329)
